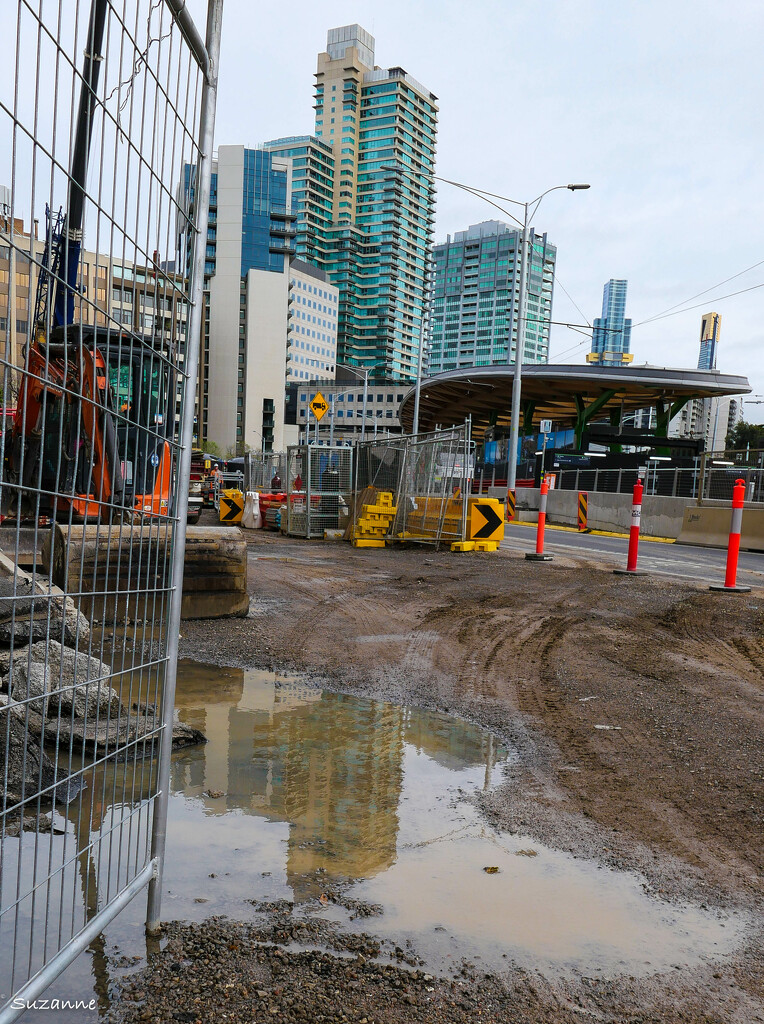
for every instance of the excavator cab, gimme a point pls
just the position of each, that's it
(142, 382)
(92, 425)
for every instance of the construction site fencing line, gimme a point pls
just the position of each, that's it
(107, 119)
(429, 477)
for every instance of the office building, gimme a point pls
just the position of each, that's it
(364, 192)
(611, 337)
(312, 323)
(114, 293)
(312, 194)
(476, 289)
(344, 421)
(248, 250)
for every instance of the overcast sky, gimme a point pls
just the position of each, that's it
(656, 103)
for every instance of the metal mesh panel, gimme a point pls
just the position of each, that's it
(265, 471)
(429, 476)
(720, 470)
(319, 486)
(101, 107)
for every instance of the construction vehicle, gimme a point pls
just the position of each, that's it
(91, 424)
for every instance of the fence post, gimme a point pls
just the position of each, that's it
(191, 368)
(733, 546)
(538, 555)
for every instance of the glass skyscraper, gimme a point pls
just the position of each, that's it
(611, 337)
(476, 284)
(364, 190)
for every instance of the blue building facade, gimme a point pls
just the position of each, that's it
(611, 336)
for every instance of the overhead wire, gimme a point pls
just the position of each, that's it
(705, 291)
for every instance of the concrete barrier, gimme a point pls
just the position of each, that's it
(709, 526)
(661, 516)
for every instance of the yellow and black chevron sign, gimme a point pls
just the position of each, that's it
(231, 506)
(583, 511)
(511, 502)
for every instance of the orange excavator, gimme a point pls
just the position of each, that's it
(96, 405)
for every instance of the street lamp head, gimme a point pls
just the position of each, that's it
(576, 188)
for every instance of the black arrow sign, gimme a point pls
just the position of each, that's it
(233, 509)
(492, 521)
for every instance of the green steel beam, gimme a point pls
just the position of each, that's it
(529, 408)
(585, 412)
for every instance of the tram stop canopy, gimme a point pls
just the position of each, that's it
(571, 396)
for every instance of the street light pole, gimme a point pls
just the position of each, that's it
(365, 399)
(517, 387)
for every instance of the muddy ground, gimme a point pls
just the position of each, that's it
(540, 654)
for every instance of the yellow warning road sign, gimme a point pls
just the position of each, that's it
(486, 521)
(318, 405)
(231, 506)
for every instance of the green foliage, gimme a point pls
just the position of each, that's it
(746, 435)
(213, 448)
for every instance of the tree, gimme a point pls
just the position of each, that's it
(213, 448)
(745, 435)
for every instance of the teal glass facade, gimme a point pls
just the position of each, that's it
(611, 336)
(473, 312)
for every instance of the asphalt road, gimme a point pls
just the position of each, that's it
(683, 561)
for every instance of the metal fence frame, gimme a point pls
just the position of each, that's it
(319, 481)
(112, 148)
(430, 478)
(710, 479)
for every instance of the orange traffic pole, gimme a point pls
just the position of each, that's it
(539, 555)
(733, 545)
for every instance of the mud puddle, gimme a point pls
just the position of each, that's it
(357, 810)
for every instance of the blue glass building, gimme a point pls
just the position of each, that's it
(611, 336)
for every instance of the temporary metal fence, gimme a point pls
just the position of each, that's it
(711, 477)
(265, 471)
(720, 470)
(319, 485)
(225, 481)
(106, 109)
(429, 476)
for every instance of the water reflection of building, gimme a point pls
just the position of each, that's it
(329, 764)
(450, 742)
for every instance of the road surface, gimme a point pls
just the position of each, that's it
(682, 561)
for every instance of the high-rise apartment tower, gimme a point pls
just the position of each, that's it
(476, 288)
(611, 337)
(364, 192)
(710, 328)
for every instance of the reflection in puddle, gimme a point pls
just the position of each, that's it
(300, 791)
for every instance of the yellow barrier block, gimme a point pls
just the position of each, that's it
(385, 498)
(486, 545)
(380, 510)
(463, 545)
(359, 543)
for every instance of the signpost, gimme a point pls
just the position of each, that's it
(318, 407)
(546, 428)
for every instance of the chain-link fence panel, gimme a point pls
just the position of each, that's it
(107, 111)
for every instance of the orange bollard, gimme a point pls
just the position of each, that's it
(636, 520)
(539, 555)
(733, 546)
